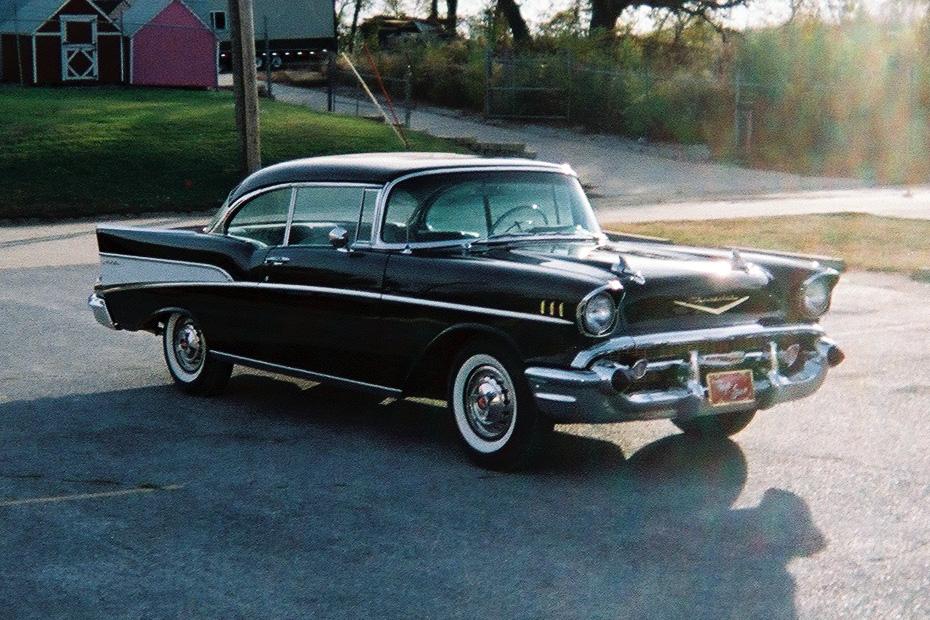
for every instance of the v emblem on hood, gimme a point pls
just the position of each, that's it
(710, 310)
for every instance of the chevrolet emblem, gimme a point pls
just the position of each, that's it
(729, 304)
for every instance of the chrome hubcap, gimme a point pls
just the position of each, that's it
(489, 402)
(188, 345)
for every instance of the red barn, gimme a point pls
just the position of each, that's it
(59, 42)
(169, 45)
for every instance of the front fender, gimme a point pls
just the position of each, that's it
(431, 367)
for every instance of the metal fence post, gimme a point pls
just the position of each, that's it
(736, 114)
(268, 90)
(408, 95)
(747, 143)
(570, 91)
(330, 76)
(487, 82)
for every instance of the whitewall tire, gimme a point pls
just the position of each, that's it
(494, 412)
(187, 357)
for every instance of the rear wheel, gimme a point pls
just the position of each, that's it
(720, 425)
(188, 360)
(494, 410)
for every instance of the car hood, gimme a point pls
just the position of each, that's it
(666, 288)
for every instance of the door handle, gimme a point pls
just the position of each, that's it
(277, 260)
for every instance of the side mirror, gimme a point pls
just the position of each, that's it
(339, 237)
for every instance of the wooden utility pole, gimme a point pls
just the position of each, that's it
(245, 83)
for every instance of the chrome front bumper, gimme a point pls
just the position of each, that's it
(101, 313)
(588, 395)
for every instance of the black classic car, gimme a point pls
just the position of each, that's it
(484, 282)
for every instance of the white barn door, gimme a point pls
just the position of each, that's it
(79, 47)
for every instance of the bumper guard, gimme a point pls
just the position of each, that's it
(101, 313)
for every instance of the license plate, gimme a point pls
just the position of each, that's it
(730, 388)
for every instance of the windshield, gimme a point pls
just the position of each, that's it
(484, 206)
(220, 212)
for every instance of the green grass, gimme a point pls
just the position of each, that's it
(71, 152)
(865, 242)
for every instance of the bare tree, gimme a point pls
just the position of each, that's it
(339, 14)
(359, 5)
(511, 11)
(604, 13)
(452, 18)
(394, 8)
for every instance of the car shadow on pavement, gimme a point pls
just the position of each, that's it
(305, 500)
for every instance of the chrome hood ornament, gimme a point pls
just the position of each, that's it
(622, 269)
(737, 262)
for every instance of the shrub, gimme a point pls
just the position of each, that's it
(848, 98)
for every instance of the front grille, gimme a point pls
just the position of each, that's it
(753, 344)
(670, 366)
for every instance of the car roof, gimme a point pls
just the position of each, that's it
(374, 168)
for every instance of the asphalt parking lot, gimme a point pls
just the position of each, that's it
(119, 496)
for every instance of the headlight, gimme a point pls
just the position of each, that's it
(815, 295)
(598, 314)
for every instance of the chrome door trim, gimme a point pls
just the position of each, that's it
(290, 217)
(511, 314)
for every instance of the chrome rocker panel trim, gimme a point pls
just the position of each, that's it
(570, 396)
(319, 377)
(100, 310)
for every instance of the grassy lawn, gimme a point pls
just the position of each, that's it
(68, 152)
(866, 242)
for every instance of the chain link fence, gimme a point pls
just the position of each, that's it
(346, 95)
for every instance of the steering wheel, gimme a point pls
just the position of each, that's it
(534, 209)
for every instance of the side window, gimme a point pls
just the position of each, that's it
(218, 19)
(262, 219)
(317, 210)
(367, 217)
(399, 216)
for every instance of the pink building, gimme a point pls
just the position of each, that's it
(169, 45)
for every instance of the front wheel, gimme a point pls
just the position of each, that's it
(494, 410)
(186, 355)
(715, 426)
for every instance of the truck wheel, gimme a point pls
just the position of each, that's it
(494, 409)
(720, 425)
(186, 355)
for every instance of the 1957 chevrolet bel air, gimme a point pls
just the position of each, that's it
(485, 282)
